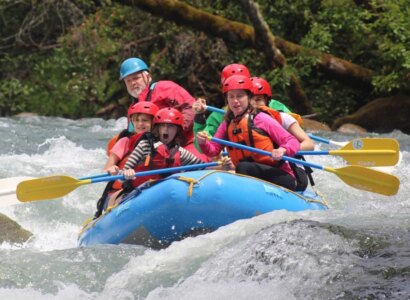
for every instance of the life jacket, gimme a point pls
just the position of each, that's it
(273, 113)
(133, 141)
(165, 157)
(116, 138)
(160, 157)
(297, 117)
(276, 114)
(245, 132)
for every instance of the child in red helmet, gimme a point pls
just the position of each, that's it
(210, 124)
(289, 121)
(166, 151)
(140, 118)
(161, 151)
(262, 93)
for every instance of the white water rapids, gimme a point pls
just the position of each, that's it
(358, 249)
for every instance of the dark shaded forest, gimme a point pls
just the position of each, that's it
(322, 58)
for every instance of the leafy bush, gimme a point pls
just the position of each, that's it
(69, 66)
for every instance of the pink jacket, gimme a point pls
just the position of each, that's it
(278, 135)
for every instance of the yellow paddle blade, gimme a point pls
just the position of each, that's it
(369, 158)
(367, 179)
(376, 152)
(47, 188)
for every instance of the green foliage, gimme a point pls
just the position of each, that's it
(79, 77)
(69, 66)
(376, 38)
(12, 92)
(392, 38)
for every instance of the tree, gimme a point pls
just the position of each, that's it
(232, 32)
(320, 45)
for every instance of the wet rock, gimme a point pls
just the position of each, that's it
(351, 128)
(11, 231)
(312, 125)
(381, 115)
(26, 114)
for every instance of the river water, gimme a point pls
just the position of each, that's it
(358, 249)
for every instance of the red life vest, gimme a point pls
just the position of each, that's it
(246, 133)
(273, 113)
(115, 138)
(111, 143)
(276, 114)
(161, 157)
(166, 158)
(297, 117)
(133, 141)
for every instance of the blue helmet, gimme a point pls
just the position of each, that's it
(132, 65)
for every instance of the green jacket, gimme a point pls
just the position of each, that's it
(279, 106)
(210, 125)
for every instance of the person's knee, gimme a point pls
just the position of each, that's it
(244, 167)
(290, 185)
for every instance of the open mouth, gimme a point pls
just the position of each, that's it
(165, 136)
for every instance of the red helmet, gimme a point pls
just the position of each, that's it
(237, 82)
(143, 107)
(234, 69)
(261, 87)
(168, 115)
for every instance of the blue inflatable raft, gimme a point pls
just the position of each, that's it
(188, 204)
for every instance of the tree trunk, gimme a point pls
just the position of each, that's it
(236, 32)
(275, 58)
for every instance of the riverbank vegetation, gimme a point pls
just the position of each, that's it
(329, 58)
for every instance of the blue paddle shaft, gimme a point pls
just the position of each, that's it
(263, 152)
(312, 153)
(215, 109)
(318, 138)
(312, 136)
(155, 172)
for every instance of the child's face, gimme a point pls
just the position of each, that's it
(141, 122)
(257, 101)
(167, 133)
(238, 101)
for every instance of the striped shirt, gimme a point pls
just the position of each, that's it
(143, 149)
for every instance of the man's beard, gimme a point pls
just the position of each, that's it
(135, 92)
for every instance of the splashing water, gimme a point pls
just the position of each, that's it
(359, 248)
